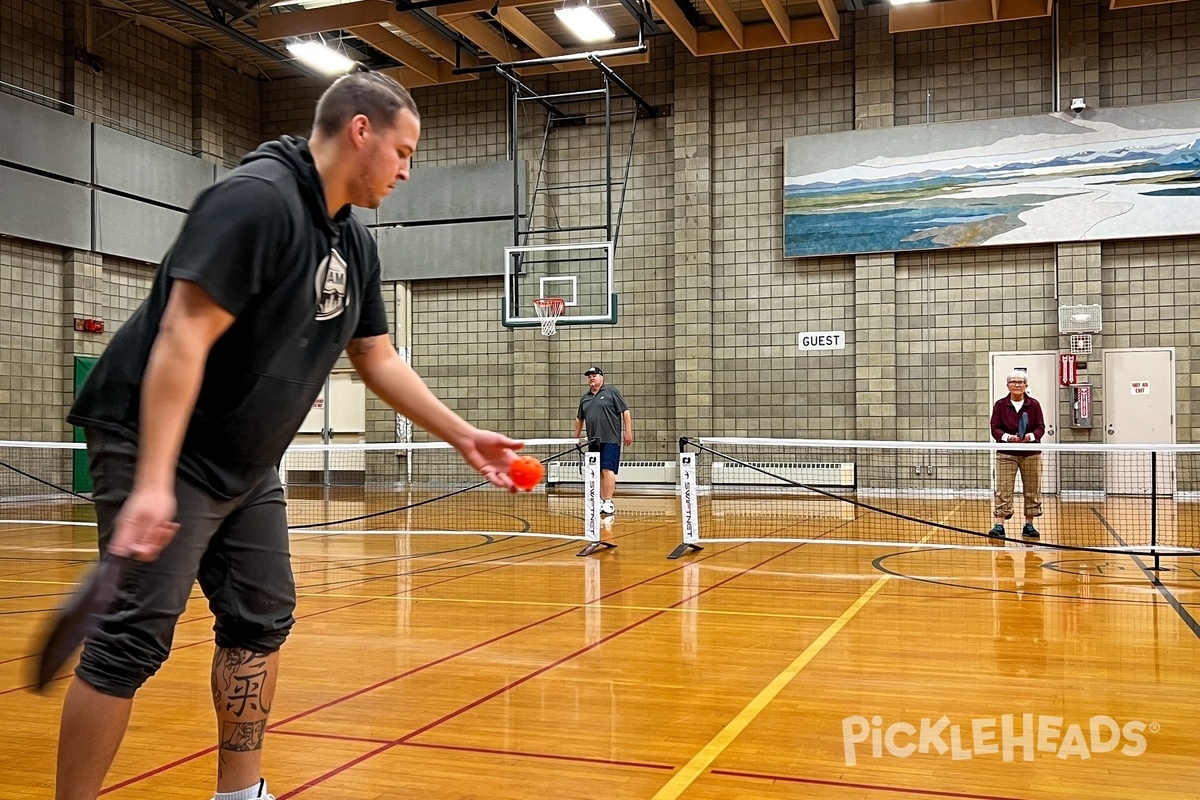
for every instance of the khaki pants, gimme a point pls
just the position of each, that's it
(1007, 467)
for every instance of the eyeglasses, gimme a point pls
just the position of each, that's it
(1018, 383)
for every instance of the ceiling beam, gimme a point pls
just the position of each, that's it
(832, 18)
(524, 29)
(729, 20)
(387, 42)
(949, 14)
(257, 46)
(677, 22)
(272, 27)
(152, 22)
(411, 79)
(484, 37)
(472, 7)
(365, 13)
(764, 36)
(779, 16)
(413, 25)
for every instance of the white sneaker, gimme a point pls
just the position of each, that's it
(606, 507)
(263, 794)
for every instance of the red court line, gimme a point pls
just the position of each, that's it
(160, 769)
(868, 786)
(339, 737)
(525, 678)
(551, 756)
(517, 548)
(310, 615)
(451, 656)
(165, 767)
(492, 751)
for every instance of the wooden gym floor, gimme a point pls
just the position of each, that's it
(507, 668)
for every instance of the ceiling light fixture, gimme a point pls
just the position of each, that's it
(907, 2)
(321, 57)
(583, 21)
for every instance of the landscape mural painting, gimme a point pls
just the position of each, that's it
(1103, 174)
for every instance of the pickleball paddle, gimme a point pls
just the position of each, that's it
(78, 619)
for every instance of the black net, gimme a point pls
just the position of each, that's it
(1088, 497)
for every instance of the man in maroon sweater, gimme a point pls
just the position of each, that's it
(1018, 418)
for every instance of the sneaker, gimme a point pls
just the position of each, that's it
(997, 531)
(607, 507)
(1030, 531)
(262, 794)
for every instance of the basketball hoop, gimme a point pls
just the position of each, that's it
(549, 309)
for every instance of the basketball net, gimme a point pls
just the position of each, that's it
(549, 309)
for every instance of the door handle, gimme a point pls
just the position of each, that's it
(1111, 431)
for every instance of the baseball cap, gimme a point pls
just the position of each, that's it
(596, 370)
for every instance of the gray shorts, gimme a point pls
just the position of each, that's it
(237, 548)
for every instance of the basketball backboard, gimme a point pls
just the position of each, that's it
(581, 274)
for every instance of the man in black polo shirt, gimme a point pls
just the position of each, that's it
(604, 410)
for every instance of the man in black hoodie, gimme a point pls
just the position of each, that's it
(192, 405)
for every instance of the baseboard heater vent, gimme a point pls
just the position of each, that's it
(630, 472)
(725, 473)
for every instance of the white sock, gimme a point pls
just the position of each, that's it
(250, 793)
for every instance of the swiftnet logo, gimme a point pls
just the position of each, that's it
(989, 736)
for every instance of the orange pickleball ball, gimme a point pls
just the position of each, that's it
(526, 472)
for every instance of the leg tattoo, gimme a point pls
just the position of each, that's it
(239, 679)
(243, 685)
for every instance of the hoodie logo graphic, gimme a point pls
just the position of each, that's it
(331, 286)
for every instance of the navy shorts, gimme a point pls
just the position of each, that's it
(610, 456)
(237, 548)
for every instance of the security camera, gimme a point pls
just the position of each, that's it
(1078, 105)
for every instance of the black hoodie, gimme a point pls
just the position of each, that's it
(300, 286)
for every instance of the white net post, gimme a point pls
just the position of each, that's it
(591, 505)
(689, 505)
(591, 497)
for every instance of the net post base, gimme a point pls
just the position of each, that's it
(594, 546)
(684, 549)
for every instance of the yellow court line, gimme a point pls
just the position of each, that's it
(684, 778)
(563, 605)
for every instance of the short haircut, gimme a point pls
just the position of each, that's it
(1018, 375)
(376, 96)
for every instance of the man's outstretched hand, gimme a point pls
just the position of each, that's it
(491, 454)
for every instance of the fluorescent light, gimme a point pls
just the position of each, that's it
(321, 58)
(907, 2)
(584, 22)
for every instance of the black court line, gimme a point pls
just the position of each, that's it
(1183, 613)
(880, 565)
